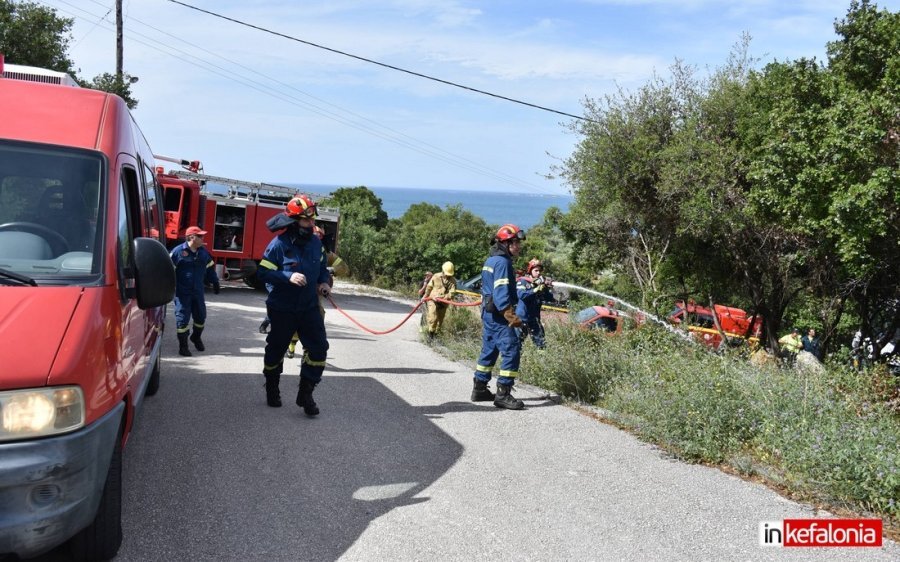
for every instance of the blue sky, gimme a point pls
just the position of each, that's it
(255, 106)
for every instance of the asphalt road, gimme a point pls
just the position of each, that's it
(401, 466)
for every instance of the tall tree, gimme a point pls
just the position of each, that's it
(825, 161)
(34, 35)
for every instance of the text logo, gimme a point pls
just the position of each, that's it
(820, 532)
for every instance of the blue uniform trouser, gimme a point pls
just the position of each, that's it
(187, 305)
(310, 326)
(498, 338)
(535, 330)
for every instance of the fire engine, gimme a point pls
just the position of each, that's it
(234, 213)
(702, 322)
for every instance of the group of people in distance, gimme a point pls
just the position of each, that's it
(792, 344)
(295, 269)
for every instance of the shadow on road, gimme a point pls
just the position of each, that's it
(215, 474)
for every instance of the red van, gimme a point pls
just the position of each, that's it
(84, 280)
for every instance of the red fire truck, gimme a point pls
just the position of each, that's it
(234, 212)
(733, 323)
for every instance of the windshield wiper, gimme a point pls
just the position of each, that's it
(24, 279)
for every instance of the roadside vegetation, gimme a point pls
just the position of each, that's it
(830, 438)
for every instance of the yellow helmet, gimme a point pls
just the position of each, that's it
(448, 268)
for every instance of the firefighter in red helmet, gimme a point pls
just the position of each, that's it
(533, 289)
(294, 265)
(499, 321)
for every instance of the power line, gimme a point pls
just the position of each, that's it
(385, 65)
(391, 136)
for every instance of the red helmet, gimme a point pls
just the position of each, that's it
(508, 232)
(532, 264)
(317, 230)
(301, 206)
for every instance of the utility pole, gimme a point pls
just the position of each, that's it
(119, 76)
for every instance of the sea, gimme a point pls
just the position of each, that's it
(522, 209)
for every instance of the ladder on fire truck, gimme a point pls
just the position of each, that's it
(237, 189)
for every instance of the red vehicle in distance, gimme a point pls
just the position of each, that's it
(606, 318)
(712, 326)
(234, 212)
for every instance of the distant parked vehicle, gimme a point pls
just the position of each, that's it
(471, 285)
(736, 325)
(606, 318)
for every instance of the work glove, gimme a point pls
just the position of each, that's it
(216, 289)
(510, 315)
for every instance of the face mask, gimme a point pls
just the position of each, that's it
(298, 235)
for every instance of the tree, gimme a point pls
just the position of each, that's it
(34, 35)
(361, 236)
(121, 87)
(426, 236)
(825, 157)
(759, 187)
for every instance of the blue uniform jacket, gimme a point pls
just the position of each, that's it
(498, 284)
(531, 296)
(192, 269)
(280, 260)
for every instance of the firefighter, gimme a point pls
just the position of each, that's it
(320, 234)
(533, 289)
(791, 344)
(194, 267)
(294, 265)
(425, 280)
(336, 265)
(499, 320)
(440, 286)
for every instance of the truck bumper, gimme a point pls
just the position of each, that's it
(50, 488)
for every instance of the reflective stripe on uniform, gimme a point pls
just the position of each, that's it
(501, 281)
(272, 367)
(210, 264)
(182, 330)
(484, 369)
(198, 325)
(268, 265)
(510, 374)
(488, 269)
(312, 363)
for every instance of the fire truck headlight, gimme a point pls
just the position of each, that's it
(40, 412)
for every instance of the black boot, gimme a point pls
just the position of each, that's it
(481, 392)
(195, 337)
(182, 344)
(273, 396)
(505, 398)
(305, 399)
